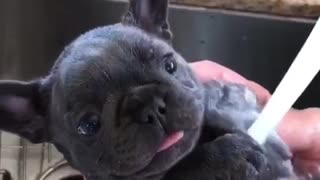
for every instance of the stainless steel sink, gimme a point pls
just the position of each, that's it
(33, 32)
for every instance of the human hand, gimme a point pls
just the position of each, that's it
(300, 129)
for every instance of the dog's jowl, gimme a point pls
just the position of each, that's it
(121, 104)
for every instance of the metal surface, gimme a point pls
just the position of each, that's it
(261, 48)
(5, 175)
(51, 169)
(33, 32)
(55, 172)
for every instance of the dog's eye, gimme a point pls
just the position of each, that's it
(89, 124)
(169, 64)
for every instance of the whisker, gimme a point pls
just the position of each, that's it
(100, 137)
(100, 157)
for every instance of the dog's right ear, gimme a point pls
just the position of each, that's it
(23, 110)
(149, 15)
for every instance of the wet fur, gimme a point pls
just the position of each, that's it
(104, 67)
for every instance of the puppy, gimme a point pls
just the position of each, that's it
(121, 104)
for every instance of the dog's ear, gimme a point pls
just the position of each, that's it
(149, 15)
(23, 110)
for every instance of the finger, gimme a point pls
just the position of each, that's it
(307, 168)
(300, 129)
(262, 94)
(308, 155)
(208, 70)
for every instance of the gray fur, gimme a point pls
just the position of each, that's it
(117, 78)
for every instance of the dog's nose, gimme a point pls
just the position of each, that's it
(146, 104)
(153, 113)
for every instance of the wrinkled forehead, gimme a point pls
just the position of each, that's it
(101, 56)
(123, 45)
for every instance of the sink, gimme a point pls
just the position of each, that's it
(33, 33)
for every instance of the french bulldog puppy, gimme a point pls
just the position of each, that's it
(121, 104)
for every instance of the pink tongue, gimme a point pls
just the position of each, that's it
(171, 140)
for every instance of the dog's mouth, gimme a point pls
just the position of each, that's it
(171, 140)
(172, 149)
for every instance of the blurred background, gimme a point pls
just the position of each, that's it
(259, 45)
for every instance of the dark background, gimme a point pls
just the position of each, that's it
(33, 32)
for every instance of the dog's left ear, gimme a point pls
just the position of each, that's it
(23, 110)
(149, 15)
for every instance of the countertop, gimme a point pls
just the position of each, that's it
(296, 8)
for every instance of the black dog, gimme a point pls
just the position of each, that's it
(121, 104)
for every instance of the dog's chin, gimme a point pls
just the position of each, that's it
(169, 155)
(163, 158)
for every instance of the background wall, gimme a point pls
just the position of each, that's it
(33, 32)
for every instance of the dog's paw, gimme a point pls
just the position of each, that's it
(233, 156)
(239, 156)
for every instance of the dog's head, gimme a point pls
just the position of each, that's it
(119, 100)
